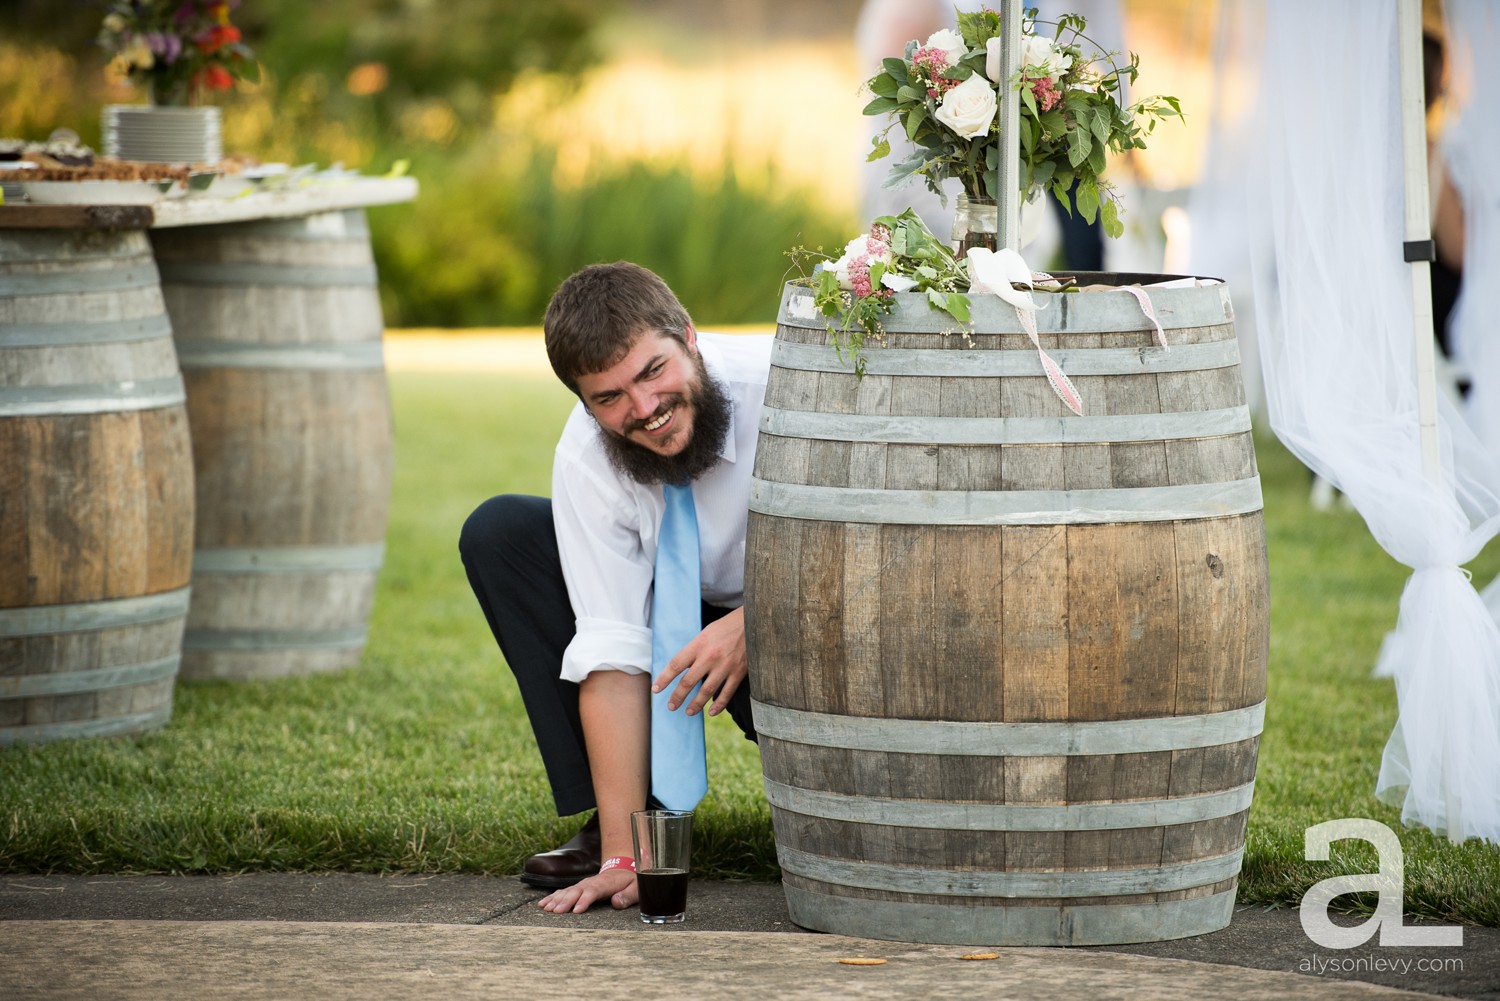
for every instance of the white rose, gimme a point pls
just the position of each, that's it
(1036, 51)
(857, 247)
(1041, 55)
(992, 53)
(860, 246)
(950, 41)
(969, 108)
(840, 271)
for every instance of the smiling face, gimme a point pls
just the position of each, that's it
(648, 396)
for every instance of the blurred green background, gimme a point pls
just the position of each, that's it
(701, 138)
(534, 126)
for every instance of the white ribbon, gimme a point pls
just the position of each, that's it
(998, 272)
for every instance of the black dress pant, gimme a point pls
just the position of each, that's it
(509, 550)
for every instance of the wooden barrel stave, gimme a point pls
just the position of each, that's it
(920, 609)
(96, 518)
(279, 328)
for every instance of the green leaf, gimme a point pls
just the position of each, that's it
(1099, 125)
(1096, 159)
(1079, 147)
(910, 95)
(936, 299)
(1060, 192)
(880, 106)
(977, 27)
(915, 120)
(1029, 100)
(958, 306)
(881, 149)
(1087, 194)
(885, 85)
(895, 68)
(1053, 123)
(1110, 216)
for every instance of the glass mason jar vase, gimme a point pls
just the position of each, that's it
(976, 220)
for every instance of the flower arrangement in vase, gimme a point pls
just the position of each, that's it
(943, 94)
(179, 49)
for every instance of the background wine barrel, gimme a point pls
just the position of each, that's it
(96, 489)
(278, 328)
(1009, 662)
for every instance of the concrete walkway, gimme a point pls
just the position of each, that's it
(348, 936)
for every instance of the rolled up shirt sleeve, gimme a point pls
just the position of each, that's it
(608, 570)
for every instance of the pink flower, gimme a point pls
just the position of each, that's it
(853, 269)
(1046, 93)
(930, 63)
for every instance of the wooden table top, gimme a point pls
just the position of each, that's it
(323, 196)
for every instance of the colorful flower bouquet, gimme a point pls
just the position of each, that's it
(178, 48)
(900, 254)
(942, 93)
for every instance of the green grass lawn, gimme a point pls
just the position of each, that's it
(421, 760)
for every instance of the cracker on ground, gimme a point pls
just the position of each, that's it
(863, 962)
(981, 955)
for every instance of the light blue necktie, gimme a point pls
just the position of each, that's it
(679, 770)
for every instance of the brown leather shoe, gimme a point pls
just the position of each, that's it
(575, 861)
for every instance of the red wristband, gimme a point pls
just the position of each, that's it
(618, 862)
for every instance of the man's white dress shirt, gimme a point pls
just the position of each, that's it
(607, 522)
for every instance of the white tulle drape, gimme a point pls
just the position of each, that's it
(1333, 301)
(1216, 207)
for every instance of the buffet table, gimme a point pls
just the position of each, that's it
(195, 448)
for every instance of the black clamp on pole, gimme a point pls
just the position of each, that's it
(1419, 250)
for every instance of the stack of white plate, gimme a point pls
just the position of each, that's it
(162, 135)
(13, 189)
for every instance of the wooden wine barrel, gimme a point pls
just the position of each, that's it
(1009, 663)
(278, 328)
(96, 488)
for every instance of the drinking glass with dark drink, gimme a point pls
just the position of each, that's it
(663, 847)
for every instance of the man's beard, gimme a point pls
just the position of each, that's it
(711, 420)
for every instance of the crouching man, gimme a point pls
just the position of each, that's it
(568, 584)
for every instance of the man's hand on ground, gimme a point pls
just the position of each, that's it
(716, 656)
(618, 885)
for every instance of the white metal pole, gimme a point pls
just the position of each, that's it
(1008, 114)
(1418, 227)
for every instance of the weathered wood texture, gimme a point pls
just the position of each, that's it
(96, 495)
(350, 193)
(1016, 619)
(278, 326)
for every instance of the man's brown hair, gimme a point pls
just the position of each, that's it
(596, 315)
